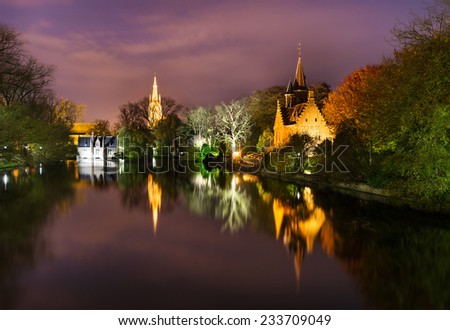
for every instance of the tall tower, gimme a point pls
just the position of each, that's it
(299, 82)
(154, 105)
(296, 91)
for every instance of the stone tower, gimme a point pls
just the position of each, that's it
(154, 105)
(300, 114)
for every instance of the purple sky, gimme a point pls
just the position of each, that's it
(203, 51)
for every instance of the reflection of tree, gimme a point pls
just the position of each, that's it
(132, 184)
(27, 204)
(234, 206)
(402, 263)
(229, 202)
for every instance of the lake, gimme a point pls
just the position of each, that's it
(84, 236)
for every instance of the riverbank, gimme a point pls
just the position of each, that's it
(359, 190)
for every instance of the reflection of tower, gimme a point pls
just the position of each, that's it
(154, 106)
(300, 225)
(154, 199)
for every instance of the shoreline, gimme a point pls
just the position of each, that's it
(359, 190)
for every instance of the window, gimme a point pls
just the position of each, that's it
(315, 119)
(306, 119)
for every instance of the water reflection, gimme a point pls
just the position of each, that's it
(227, 201)
(299, 224)
(154, 193)
(29, 201)
(219, 234)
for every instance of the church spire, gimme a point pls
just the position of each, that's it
(154, 96)
(154, 105)
(299, 74)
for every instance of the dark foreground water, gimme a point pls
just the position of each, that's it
(82, 237)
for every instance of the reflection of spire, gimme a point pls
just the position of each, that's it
(154, 199)
(298, 260)
(300, 226)
(278, 215)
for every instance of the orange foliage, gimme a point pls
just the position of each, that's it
(351, 98)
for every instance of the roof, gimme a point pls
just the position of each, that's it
(300, 81)
(84, 141)
(107, 141)
(82, 128)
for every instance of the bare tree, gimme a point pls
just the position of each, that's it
(199, 125)
(233, 122)
(102, 127)
(22, 77)
(133, 115)
(170, 106)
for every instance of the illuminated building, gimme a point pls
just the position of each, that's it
(300, 114)
(154, 106)
(97, 147)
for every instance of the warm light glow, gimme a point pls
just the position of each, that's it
(236, 154)
(250, 178)
(15, 174)
(278, 215)
(154, 199)
(299, 225)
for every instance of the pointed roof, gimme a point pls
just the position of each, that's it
(300, 81)
(155, 90)
(289, 87)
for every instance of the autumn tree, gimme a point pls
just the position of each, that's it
(351, 99)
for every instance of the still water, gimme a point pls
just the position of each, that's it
(85, 237)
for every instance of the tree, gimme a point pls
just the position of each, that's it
(199, 125)
(262, 108)
(351, 99)
(411, 129)
(133, 116)
(62, 111)
(171, 107)
(321, 92)
(22, 77)
(35, 125)
(166, 130)
(233, 123)
(102, 127)
(265, 140)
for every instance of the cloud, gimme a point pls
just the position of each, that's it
(33, 3)
(203, 51)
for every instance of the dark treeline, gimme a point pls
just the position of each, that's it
(395, 116)
(34, 124)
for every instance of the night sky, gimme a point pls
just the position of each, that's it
(202, 51)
